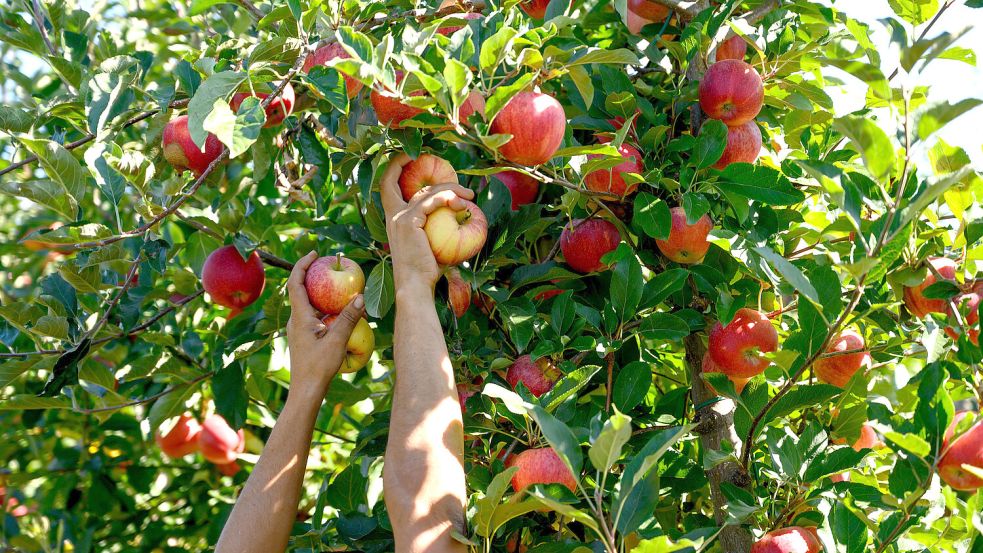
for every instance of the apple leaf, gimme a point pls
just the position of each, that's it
(632, 385)
(760, 183)
(710, 144)
(380, 291)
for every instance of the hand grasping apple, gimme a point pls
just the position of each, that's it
(316, 351)
(413, 259)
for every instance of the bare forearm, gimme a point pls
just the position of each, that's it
(267, 508)
(425, 488)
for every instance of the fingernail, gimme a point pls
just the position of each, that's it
(310, 252)
(359, 302)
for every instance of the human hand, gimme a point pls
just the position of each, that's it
(316, 351)
(413, 260)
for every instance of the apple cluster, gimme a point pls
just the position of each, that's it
(732, 92)
(217, 442)
(332, 282)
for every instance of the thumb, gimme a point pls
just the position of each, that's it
(340, 329)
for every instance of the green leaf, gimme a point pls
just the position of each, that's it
(570, 384)
(347, 492)
(626, 287)
(238, 131)
(848, 528)
(932, 118)
(606, 449)
(760, 183)
(632, 385)
(915, 12)
(65, 371)
(652, 216)
(870, 74)
(47, 193)
(493, 48)
(201, 6)
(60, 165)
(561, 438)
(664, 326)
(640, 465)
(710, 144)
(871, 142)
(909, 442)
(217, 87)
(15, 120)
(229, 389)
(620, 56)
(802, 396)
(581, 79)
(790, 273)
(380, 291)
(490, 502)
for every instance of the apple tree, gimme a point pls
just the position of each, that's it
(714, 310)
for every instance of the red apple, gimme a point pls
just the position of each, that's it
(182, 153)
(868, 439)
(710, 367)
(360, 344)
(653, 11)
(737, 347)
(230, 469)
(540, 466)
(839, 369)
(734, 48)
(966, 450)
(218, 442)
(389, 110)
(182, 438)
(916, 302)
(547, 294)
(326, 53)
(276, 112)
(522, 187)
(612, 180)
(794, 539)
(968, 304)
(451, 29)
(537, 124)
(458, 292)
(538, 376)
(732, 92)
(474, 103)
(687, 244)
(232, 281)
(332, 282)
(584, 243)
(426, 170)
(456, 236)
(743, 145)
(535, 9)
(463, 394)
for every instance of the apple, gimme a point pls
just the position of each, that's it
(458, 292)
(276, 112)
(653, 11)
(540, 466)
(232, 281)
(686, 244)
(181, 439)
(736, 348)
(456, 236)
(584, 243)
(732, 92)
(794, 539)
(612, 180)
(389, 110)
(914, 298)
(332, 282)
(868, 439)
(426, 170)
(451, 29)
(218, 442)
(326, 53)
(969, 304)
(537, 124)
(522, 187)
(708, 366)
(182, 152)
(229, 469)
(966, 450)
(743, 145)
(734, 48)
(463, 394)
(11, 505)
(360, 344)
(536, 9)
(474, 103)
(538, 376)
(839, 369)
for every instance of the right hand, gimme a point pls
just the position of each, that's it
(413, 260)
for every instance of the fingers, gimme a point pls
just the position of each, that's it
(392, 198)
(299, 303)
(450, 195)
(341, 328)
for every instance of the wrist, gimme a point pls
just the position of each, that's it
(413, 290)
(305, 398)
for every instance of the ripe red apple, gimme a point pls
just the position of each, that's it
(182, 153)
(736, 348)
(474, 103)
(968, 304)
(360, 344)
(463, 394)
(732, 92)
(332, 282)
(538, 376)
(966, 450)
(914, 298)
(537, 124)
(523, 188)
(868, 439)
(535, 9)
(734, 48)
(794, 539)
(182, 438)
(276, 112)
(426, 170)
(612, 180)
(389, 110)
(709, 366)
(451, 29)
(232, 281)
(743, 145)
(456, 236)
(230, 469)
(653, 11)
(326, 53)
(458, 292)
(540, 466)
(218, 442)
(839, 369)
(584, 243)
(687, 243)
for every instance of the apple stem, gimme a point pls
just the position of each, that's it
(337, 263)
(463, 216)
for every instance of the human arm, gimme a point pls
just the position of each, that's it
(265, 512)
(424, 471)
